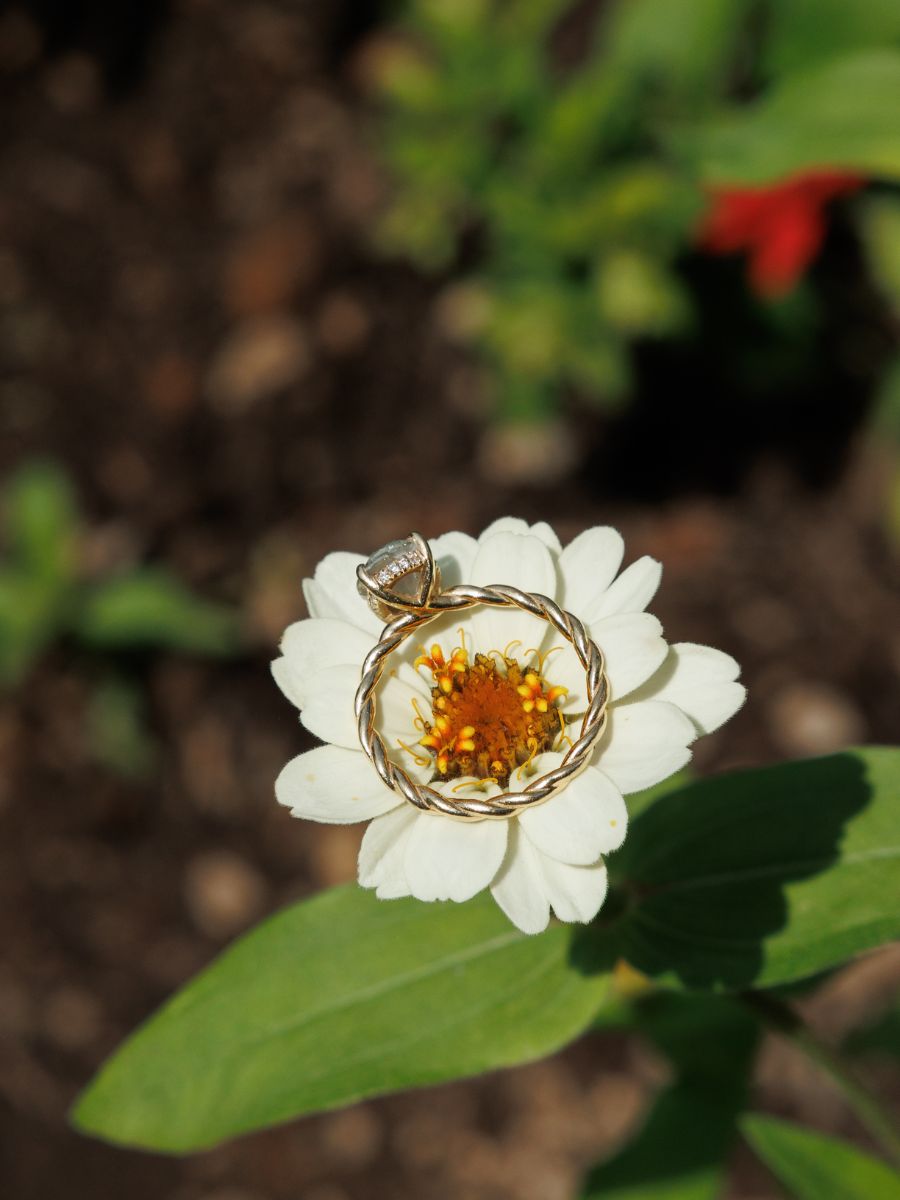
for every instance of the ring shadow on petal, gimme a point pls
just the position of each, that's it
(700, 890)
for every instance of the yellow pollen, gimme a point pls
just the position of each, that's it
(441, 670)
(489, 716)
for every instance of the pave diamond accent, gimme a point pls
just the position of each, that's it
(394, 560)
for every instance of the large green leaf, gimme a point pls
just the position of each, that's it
(761, 877)
(681, 1151)
(842, 114)
(337, 998)
(815, 1167)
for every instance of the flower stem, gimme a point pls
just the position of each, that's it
(783, 1019)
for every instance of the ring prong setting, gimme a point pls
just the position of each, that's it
(401, 576)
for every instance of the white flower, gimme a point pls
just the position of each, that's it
(464, 722)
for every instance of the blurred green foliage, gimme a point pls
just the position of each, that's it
(812, 1166)
(681, 1151)
(882, 1036)
(117, 729)
(880, 230)
(554, 161)
(45, 595)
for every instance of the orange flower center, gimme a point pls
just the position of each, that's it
(488, 717)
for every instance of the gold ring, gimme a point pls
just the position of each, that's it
(402, 584)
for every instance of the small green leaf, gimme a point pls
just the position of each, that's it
(334, 999)
(761, 877)
(842, 114)
(151, 608)
(681, 1151)
(29, 620)
(41, 521)
(814, 1166)
(637, 295)
(117, 732)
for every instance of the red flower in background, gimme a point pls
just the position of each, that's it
(781, 226)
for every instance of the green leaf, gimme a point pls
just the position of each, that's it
(29, 620)
(151, 608)
(885, 412)
(642, 205)
(681, 1151)
(337, 998)
(637, 295)
(880, 228)
(684, 46)
(117, 732)
(760, 877)
(41, 521)
(639, 802)
(842, 114)
(800, 33)
(814, 1166)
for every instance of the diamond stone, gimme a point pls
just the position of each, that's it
(397, 567)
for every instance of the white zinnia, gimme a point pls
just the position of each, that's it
(550, 856)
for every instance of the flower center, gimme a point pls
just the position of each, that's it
(489, 716)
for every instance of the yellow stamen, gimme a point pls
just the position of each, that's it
(421, 760)
(489, 717)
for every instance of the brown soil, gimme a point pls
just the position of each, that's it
(191, 323)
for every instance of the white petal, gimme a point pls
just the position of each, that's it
(542, 764)
(630, 593)
(633, 646)
(548, 536)
(588, 566)
(284, 677)
(309, 647)
(328, 705)
(447, 859)
(392, 888)
(701, 681)
(517, 559)
(562, 668)
(519, 886)
(382, 850)
(575, 893)
(644, 743)
(588, 818)
(521, 561)
(395, 716)
(335, 786)
(454, 553)
(516, 525)
(332, 592)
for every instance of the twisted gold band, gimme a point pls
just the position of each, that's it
(456, 598)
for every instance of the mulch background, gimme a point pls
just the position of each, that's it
(191, 322)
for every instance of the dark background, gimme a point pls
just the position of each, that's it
(191, 322)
